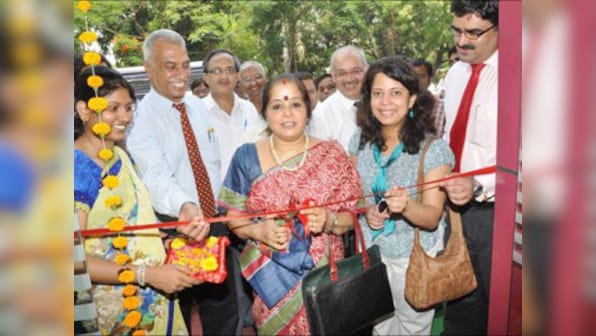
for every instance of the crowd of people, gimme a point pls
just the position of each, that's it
(241, 142)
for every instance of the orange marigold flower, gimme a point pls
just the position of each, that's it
(209, 264)
(129, 290)
(120, 242)
(132, 319)
(88, 37)
(105, 154)
(126, 276)
(122, 259)
(131, 302)
(111, 181)
(113, 201)
(101, 129)
(84, 6)
(94, 81)
(97, 104)
(139, 332)
(116, 224)
(91, 58)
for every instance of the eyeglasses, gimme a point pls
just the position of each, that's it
(256, 78)
(470, 34)
(341, 74)
(220, 71)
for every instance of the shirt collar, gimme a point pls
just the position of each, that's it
(211, 104)
(345, 100)
(160, 102)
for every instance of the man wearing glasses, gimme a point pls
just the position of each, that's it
(252, 81)
(231, 115)
(471, 128)
(335, 118)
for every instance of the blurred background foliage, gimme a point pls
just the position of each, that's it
(283, 35)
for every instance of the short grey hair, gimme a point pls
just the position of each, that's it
(161, 35)
(250, 64)
(345, 50)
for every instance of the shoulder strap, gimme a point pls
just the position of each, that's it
(421, 167)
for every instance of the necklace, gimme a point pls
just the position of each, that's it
(278, 161)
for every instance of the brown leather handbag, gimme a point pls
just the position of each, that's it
(447, 277)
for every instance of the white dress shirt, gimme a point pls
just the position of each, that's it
(480, 145)
(230, 128)
(156, 143)
(334, 119)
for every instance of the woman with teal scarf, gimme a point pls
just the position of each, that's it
(395, 122)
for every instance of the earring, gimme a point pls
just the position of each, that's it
(411, 114)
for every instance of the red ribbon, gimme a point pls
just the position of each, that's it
(294, 208)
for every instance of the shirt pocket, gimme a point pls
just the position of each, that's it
(483, 127)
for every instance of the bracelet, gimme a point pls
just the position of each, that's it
(141, 275)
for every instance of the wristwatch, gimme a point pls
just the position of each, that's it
(478, 189)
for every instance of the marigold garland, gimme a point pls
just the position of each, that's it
(120, 242)
(132, 319)
(102, 129)
(91, 58)
(95, 81)
(129, 290)
(88, 37)
(126, 276)
(139, 332)
(131, 302)
(122, 259)
(105, 154)
(110, 181)
(97, 104)
(113, 202)
(84, 6)
(116, 224)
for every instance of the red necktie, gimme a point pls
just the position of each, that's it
(196, 162)
(460, 125)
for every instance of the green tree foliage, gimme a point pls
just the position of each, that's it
(286, 35)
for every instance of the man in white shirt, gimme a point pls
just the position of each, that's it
(159, 148)
(231, 115)
(252, 80)
(475, 30)
(335, 118)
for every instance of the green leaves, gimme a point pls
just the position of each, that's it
(283, 35)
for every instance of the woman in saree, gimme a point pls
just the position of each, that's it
(94, 206)
(288, 167)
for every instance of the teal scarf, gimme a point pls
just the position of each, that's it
(379, 185)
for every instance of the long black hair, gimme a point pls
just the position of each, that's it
(413, 130)
(112, 80)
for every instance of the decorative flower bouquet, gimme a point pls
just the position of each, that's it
(206, 258)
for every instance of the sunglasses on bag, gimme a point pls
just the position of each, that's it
(382, 205)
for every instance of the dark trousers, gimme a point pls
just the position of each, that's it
(218, 307)
(469, 315)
